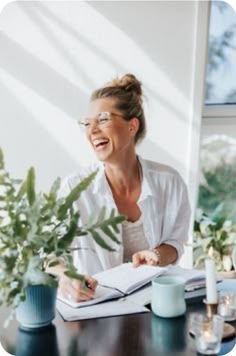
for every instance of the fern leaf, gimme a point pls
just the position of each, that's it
(109, 233)
(75, 194)
(97, 238)
(30, 186)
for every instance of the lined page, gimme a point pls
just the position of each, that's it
(127, 278)
(101, 294)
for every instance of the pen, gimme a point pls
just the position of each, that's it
(88, 285)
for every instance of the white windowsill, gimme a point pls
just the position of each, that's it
(219, 111)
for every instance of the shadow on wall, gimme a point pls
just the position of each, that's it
(37, 9)
(27, 135)
(40, 77)
(33, 10)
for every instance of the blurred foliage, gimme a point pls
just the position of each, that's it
(214, 234)
(215, 222)
(218, 172)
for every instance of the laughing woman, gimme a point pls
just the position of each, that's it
(153, 196)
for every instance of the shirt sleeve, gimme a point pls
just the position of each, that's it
(177, 216)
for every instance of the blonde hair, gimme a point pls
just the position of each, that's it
(127, 91)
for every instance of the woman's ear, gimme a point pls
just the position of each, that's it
(133, 126)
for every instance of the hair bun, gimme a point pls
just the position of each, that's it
(129, 83)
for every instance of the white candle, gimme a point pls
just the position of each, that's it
(211, 291)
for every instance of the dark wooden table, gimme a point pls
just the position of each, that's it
(133, 335)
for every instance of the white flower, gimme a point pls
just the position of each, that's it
(227, 263)
(204, 227)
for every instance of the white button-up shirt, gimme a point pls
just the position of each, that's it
(163, 202)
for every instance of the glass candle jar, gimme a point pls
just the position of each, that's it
(227, 306)
(208, 333)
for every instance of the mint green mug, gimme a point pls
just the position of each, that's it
(168, 296)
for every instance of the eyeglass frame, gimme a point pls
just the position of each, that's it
(85, 126)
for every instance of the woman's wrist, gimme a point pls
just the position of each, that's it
(158, 255)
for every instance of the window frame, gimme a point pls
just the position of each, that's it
(212, 111)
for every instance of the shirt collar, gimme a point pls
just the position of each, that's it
(146, 189)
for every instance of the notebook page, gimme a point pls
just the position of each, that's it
(127, 278)
(101, 294)
(192, 277)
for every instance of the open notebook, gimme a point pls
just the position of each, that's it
(118, 282)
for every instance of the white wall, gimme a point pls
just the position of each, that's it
(52, 54)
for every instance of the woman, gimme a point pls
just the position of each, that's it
(152, 196)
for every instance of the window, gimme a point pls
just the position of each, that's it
(221, 68)
(218, 148)
(218, 172)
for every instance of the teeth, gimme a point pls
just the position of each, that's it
(99, 141)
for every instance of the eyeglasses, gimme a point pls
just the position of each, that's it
(102, 120)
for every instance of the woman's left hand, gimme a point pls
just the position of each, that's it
(145, 257)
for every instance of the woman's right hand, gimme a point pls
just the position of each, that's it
(74, 290)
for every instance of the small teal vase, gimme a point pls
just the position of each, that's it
(38, 309)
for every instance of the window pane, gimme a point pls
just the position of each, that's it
(221, 68)
(217, 176)
(215, 221)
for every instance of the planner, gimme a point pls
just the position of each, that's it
(118, 282)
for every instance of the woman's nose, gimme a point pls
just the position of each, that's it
(94, 126)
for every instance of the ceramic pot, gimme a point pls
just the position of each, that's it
(38, 309)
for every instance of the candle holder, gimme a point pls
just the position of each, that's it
(208, 333)
(212, 309)
(227, 305)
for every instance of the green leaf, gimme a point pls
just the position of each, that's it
(1, 159)
(21, 191)
(53, 263)
(97, 238)
(30, 185)
(112, 214)
(109, 233)
(54, 189)
(218, 213)
(67, 239)
(101, 215)
(74, 275)
(75, 194)
(68, 260)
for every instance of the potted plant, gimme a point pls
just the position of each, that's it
(36, 231)
(214, 234)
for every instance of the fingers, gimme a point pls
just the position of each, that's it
(91, 283)
(138, 259)
(81, 291)
(144, 257)
(151, 262)
(75, 290)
